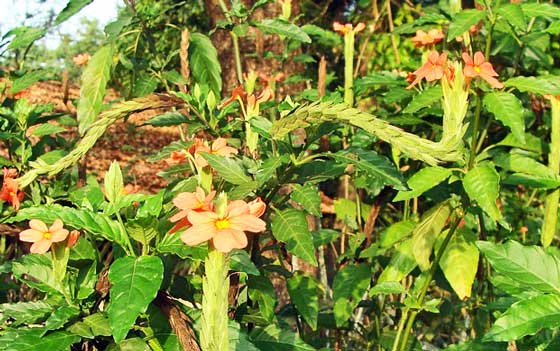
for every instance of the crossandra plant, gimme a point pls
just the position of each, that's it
(406, 199)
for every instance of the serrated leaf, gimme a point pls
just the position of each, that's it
(24, 36)
(227, 168)
(240, 261)
(93, 84)
(482, 184)
(422, 181)
(426, 232)
(459, 262)
(135, 283)
(25, 312)
(47, 129)
(167, 119)
(509, 110)
(203, 60)
(526, 318)
(537, 85)
(308, 197)
(349, 285)
(462, 21)
(273, 338)
(282, 27)
(262, 291)
(548, 11)
(322, 36)
(513, 14)
(424, 99)
(31, 339)
(530, 266)
(303, 294)
(73, 7)
(290, 226)
(27, 80)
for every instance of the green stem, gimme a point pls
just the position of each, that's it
(237, 57)
(349, 68)
(476, 126)
(215, 286)
(553, 198)
(426, 285)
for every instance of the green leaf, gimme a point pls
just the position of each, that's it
(533, 181)
(554, 28)
(240, 261)
(513, 13)
(425, 99)
(325, 236)
(308, 197)
(304, 295)
(273, 338)
(31, 339)
(172, 244)
(395, 233)
(135, 283)
(227, 168)
(349, 285)
(25, 312)
(93, 222)
(114, 184)
(426, 232)
(167, 119)
(459, 262)
(238, 338)
(47, 129)
(374, 165)
(537, 85)
(204, 64)
(508, 109)
(59, 317)
(482, 184)
(462, 21)
(282, 27)
(132, 344)
(93, 84)
(516, 162)
(290, 226)
(526, 318)
(322, 36)
(91, 326)
(422, 181)
(402, 262)
(24, 36)
(144, 84)
(36, 271)
(527, 265)
(72, 8)
(27, 80)
(386, 288)
(548, 11)
(262, 291)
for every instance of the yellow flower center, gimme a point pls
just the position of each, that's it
(222, 224)
(12, 194)
(47, 235)
(477, 69)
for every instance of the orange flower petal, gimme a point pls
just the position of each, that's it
(478, 58)
(179, 216)
(59, 235)
(185, 201)
(201, 218)
(181, 224)
(198, 234)
(56, 226)
(31, 235)
(38, 225)
(229, 239)
(248, 223)
(237, 208)
(41, 246)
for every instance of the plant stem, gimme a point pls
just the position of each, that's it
(426, 285)
(215, 286)
(349, 68)
(237, 57)
(476, 126)
(553, 198)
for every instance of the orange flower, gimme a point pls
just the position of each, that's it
(42, 236)
(81, 59)
(237, 93)
(432, 70)
(348, 27)
(9, 191)
(176, 157)
(431, 37)
(227, 231)
(187, 202)
(257, 207)
(219, 147)
(479, 67)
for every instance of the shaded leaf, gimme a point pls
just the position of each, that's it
(203, 60)
(72, 8)
(422, 181)
(282, 27)
(304, 295)
(308, 197)
(227, 168)
(424, 99)
(462, 21)
(290, 226)
(349, 285)
(508, 109)
(482, 184)
(459, 262)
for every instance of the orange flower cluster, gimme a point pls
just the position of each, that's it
(436, 67)
(348, 27)
(427, 38)
(81, 59)
(218, 147)
(43, 237)
(9, 191)
(252, 100)
(227, 230)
